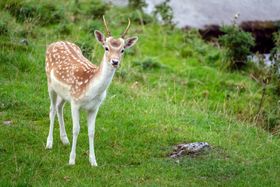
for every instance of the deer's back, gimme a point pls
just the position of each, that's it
(66, 63)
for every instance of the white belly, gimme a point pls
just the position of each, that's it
(63, 90)
(91, 101)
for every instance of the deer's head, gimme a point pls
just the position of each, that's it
(114, 47)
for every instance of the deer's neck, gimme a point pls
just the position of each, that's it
(103, 78)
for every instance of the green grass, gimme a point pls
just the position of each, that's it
(184, 98)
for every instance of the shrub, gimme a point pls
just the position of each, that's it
(49, 14)
(165, 11)
(92, 26)
(268, 108)
(213, 57)
(269, 76)
(140, 17)
(86, 48)
(186, 52)
(93, 9)
(20, 10)
(275, 63)
(137, 4)
(64, 29)
(275, 52)
(43, 14)
(237, 44)
(97, 9)
(4, 30)
(148, 64)
(27, 29)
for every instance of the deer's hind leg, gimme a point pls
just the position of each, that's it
(53, 97)
(59, 107)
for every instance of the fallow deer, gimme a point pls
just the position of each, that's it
(73, 78)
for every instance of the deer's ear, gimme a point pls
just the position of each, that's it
(130, 42)
(99, 37)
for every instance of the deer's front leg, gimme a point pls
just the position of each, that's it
(91, 129)
(76, 130)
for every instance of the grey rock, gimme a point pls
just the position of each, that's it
(7, 122)
(189, 149)
(24, 41)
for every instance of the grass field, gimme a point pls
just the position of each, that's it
(169, 90)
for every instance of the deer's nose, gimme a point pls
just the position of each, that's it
(115, 62)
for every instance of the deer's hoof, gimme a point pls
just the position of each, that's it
(65, 140)
(93, 164)
(49, 145)
(71, 162)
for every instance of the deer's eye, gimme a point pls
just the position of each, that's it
(106, 48)
(122, 50)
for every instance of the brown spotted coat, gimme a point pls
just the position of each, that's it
(69, 66)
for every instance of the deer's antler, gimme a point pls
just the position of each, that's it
(125, 32)
(106, 27)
